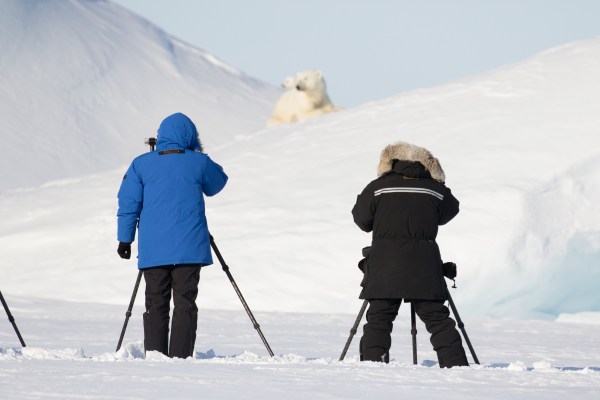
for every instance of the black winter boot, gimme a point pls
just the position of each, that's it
(448, 359)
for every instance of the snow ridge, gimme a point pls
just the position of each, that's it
(83, 82)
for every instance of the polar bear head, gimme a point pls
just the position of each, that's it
(289, 82)
(311, 82)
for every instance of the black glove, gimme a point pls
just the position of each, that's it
(449, 269)
(124, 250)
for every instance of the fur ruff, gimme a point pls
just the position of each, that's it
(409, 152)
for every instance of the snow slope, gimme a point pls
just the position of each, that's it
(519, 146)
(82, 83)
(520, 149)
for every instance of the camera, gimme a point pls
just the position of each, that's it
(449, 269)
(150, 142)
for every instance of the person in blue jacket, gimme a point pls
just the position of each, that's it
(162, 195)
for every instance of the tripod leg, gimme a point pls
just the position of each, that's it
(461, 325)
(413, 332)
(128, 313)
(239, 293)
(12, 320)
(354, 328)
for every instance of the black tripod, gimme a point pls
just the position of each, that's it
(460, 324)
(12, 320)
(413, 329)
(152, 143)
(235, 287)
(237, 290)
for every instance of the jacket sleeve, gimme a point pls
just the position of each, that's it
(214, 178)
(449, 207)
(130, 205)
(364, 209)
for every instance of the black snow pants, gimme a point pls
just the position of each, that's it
(182, 280)
(376, 341)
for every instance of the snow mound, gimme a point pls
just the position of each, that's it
(84, 82)
(519, 146)
(40, 353)
(580, 318)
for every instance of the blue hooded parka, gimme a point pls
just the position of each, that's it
(163, 191)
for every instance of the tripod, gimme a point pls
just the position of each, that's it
(237, 290)
(225, 268)
(12, 320)
(152, 143)
(460, 324)
(413, 329)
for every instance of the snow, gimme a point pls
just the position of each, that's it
(525, 167)
(72, 355)
(580, 318)
(84, 82)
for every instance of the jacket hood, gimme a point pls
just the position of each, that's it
(177, 131)
(409, 152)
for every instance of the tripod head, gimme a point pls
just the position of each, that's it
(150, 142)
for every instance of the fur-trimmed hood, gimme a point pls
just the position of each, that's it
(409, 152)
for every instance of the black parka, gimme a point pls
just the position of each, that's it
(403, 208)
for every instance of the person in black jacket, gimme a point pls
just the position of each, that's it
(404, 207)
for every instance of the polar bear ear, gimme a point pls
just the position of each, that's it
(319, 74)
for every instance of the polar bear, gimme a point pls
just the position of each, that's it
(306, 98)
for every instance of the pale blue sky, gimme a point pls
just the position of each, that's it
(372, 49)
